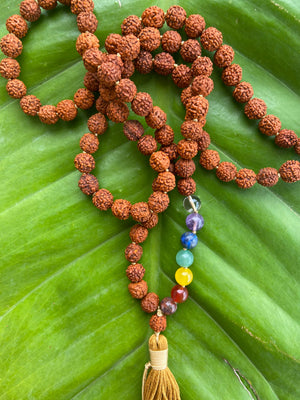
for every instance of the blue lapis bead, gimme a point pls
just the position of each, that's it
(189, 240)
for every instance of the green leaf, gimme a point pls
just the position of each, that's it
(68, 327)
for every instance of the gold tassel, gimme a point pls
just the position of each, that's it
(160, 383)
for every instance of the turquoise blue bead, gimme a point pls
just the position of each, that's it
(184, 258)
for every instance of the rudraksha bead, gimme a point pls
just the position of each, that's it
(286, 138)
(88, 184)
(186, 186)
(164, 135)
(175, 17)
(290, 171)
(107, 93)
(163, 63)
(65, 2)
(187, 149)
(170, 150)
(165, 181)
(86, 41)
(47, 4)
(84, 162)
(97, 124)
(202, 85)
(152, 221)
(157, 118)
(66, 110)
(125, 90)
(269, 125)
(147, 145)
(128, 69)
(190, 50)
(17, 25)
(103, 199)
(87, 22)
(142, 104)
(121, 209)
(150, 302)
(186, 94)
(232, 75)
(158, 324)
(224, 56)
(129, 47)
(48, 114)
(202, 66)
(138, 290)
(196, 107)
(11, 46)
(171, 41)
(149, 38)
(9, 68)
(109, 73)
(92, 58)
(84, 98)
(140, 212)
(267, 177)
(30, 105)
(203, 141)
(30, 10)
(245, 178)
(243, 92)
(211, 39)
(158, 201)
(191, 130)
(144, 63)
(159, 161)
(133, 130)
(90, 81)
(89, 143)
(226, 171)
(112, 43)
(209, 159)
(184, 168)
(182, 76)
(255, 108)
(115, 59)
(133, 252)
(78, 6)
(153, 16)
(297, 146)
(135, 272)
(16, 88)
(194, 25)
(131, 24)
(117, 111)
(138, 233)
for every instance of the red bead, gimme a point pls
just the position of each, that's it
(179, 293)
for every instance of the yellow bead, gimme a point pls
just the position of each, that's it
(183, 276)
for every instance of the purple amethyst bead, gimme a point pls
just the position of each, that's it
(194, 222)
(168, 306)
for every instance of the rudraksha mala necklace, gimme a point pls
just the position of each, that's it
(110, 72)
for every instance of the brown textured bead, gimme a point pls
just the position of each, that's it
(89, 143)
(194, 25)
(186, 94)
(16, 88)
(202, 85)
(113, 43)
(9, 68)
(90, 81)
(232, 75)
(147, 145)
(164, 135)
(202, 66)
(196, 108)
(142, 104)
(255, 108)
(159, 161)
(184, 168)
(158, 202)
(103, 199)
(131, 24)
(204, 141)
(133, 130)
(297, 146)
(144, 63)
(107, 93)
(48, 114)
(243, 92)
(190, 50)
(30, 105)
(65, 2)
(88, 184)
(78, 6)
(149, 38)
(97, 124)
(109, 73)
(47, 4)
(209, 159)
(165, 181)
(182, 75)
(129, 47)
(17, 25)
(157, 118)
(140, 212)
(125, 90)
(135, 272)
(87, 22)
(269, 125)
(158, 324)
(11, 46)
(84, 162)
(121, 209)
(187, 149)
(286, 138)
(84, 98)
(92, 58)
(150, 302)
(152, 221)
(224, 56)
(186, 186)
(138, 290)
(153, 16)
(267, 177)
(133, 252)
(175, 17)
(115, 59)
(211, 39)
(117, 111)
(191, 130)
(170, 150)
(138, 233)
(66, 110)
(290, 171)
(30, 10)
(171, 41)
(226, 171)
(128, 69)
(245, 178)
(86, 41)
(163, 63)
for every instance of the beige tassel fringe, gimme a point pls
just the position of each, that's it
(160, 383)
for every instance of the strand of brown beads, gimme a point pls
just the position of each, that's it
(11, 46)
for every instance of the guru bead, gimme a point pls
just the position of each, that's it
(194, 222)
(184, 258)
(183, 276)
(189, 240)
(179, 293)
(168, 306)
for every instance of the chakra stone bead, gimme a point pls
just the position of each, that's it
(189, 240)
(184, 258)
(168, 306)
(194, 222)
(179, 293)
(183, 276)
(187, 204)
